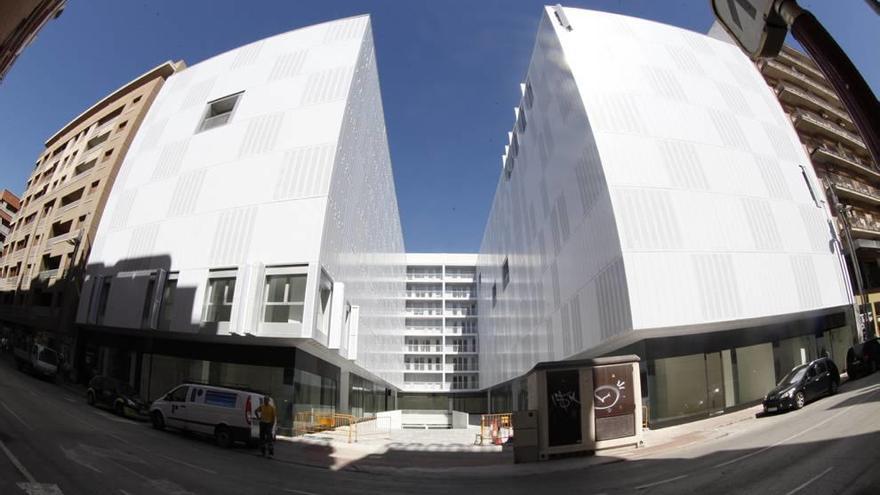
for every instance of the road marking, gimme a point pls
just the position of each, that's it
(15, 462)
(124, 492)
(70, 399)
(670, 480)
(779, 442)
(291, 490)
(40, 488)
(814, 478)
(29, 427)
(188, 464)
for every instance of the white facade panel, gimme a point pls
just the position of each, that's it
(651, 188)
(297, 180)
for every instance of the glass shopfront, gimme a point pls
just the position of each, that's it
(365, 398)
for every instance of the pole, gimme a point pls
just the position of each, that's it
(857, 268)
(849, 84)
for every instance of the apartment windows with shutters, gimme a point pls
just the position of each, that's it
(218, 297)
(219, 112)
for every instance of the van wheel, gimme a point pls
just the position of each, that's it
(90, 398)
(223, 436)
(158, 420)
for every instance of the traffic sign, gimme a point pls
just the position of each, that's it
(755, 25)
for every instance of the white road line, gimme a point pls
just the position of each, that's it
(188, 464)
(123, 492)
(779, 442)
(670, 480)
(814, 478)
(70, 399)
(15, 462)
(29, 427)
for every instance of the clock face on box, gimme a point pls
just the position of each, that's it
(612, 391)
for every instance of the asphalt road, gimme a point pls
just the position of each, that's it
(52, 442)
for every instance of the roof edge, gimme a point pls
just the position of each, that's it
(164, 70)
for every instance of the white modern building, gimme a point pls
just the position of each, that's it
(441, 351)
(252, 235)
(654, 199)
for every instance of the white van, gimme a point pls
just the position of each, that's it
(226, 413)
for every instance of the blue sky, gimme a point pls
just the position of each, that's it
(449, 72)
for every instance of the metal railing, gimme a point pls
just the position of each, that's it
(803, 78)
(423, 367)
(497, 428)
(804, 115)
(855, 186)
(815, 100)
(317, 421)
(423, 348)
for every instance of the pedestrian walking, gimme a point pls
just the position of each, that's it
(266, 414)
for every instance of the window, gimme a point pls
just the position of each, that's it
(136, 99)
(122, 125)
(103, 296)
(494, 294)
(505, 274)
(522, 120)
(514, 145)
(218, 299)
(107, 155)
(219, 112)
(528, 96)
(283, 298)
(166, 308)
(146, 313)
(110, 116)
(96, 141)
(84, 167)
(178, 394)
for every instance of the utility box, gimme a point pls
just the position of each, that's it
(525, 438)
(581, 406)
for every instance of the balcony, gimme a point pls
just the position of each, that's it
(48, 274)
(73, 234)
(463, 368)
(472, 385)
(422, 349)
(422, 294)
(423, 330)
(845, 160)
(460, 294)
(424, 276)
(855, 190)
(424, 386)
(800, 98)
(461, 312)
(864, 226)
(8, 283)
(424, 311)
(778, 70)
(461, 330)
(458, 276)
(430, 367)
(804, 120)
(460, 349)
(802, 65)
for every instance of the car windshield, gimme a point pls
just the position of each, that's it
(794, 376)
(48, 356)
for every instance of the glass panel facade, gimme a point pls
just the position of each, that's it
(284, 298)
(678, 387)
(754, 372)
(167, 307)
(793, 352)
(365, 398)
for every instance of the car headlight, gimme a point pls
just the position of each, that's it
(788, 394)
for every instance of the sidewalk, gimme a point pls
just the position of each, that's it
(439, 453)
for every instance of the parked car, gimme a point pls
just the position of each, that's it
(117, 395)
(803, 384)
(226, 413)
(36, 359)
(863, 359)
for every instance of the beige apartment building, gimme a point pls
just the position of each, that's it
(839, 155)
(20, 21)
(44, 256)
(9, 205)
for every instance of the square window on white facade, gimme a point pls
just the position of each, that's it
(219, 112)
(218, 299)
(284, 296)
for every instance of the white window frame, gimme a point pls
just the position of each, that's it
(208, 121)
(206, 305)
(281, 271)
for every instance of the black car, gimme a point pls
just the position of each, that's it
(802, 384)
(863, 359)
(117, 395)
